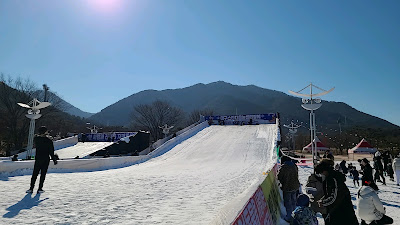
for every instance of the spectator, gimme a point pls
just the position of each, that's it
(366, 170)
(378, 169)
(303, 214)
(314, 187)
(386, 157)
(289, 179)
(15, 157)
(355, 175)
(44, 149)
(390, 171)
(396, 168)
(369, 206)
(336, 197)
(343, 167)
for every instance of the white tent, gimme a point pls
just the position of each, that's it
(320, 147)
(363, 147)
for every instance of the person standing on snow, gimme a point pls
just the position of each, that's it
(369, 207)
(386, 157)
(336, 199)
(366, 170)
(396, 168)
(378, 166)
(289, 179)
(44, 149)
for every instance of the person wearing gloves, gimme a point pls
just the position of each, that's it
(396, 168)
(369, 207)
(44, 149)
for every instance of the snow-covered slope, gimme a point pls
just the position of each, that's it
(190, 184)
(81, 149)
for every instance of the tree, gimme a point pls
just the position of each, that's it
(12, 116)
(194, 116)
(152, 116)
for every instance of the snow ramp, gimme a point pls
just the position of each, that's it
(193, 183)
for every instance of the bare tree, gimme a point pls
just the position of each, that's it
(12, 116)
(150, 117)
(194, 116)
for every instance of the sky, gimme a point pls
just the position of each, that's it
(95, 52)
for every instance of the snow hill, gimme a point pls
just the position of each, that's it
(202, 179)
(81, 149)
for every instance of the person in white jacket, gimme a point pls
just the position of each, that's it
(396, 168)
(369, 207)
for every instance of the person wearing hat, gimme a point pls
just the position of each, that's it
(303, 214)
(44, 149)
(369, 207)
(336, 199)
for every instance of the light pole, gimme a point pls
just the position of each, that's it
(166, 129)
(311, 103)
(34, 107)
(292, 131)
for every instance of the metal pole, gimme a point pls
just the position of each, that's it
(315, 138)
(30, 138)
(311, 134)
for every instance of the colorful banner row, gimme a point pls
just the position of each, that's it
(242, 119)
(104, 137)
(263, 208)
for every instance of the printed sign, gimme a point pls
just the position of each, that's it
(263, 208)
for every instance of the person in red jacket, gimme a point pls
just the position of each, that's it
(44, 149)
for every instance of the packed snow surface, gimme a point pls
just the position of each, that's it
(81, 149)
(190, 184)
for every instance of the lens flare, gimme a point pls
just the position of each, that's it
(105, 5)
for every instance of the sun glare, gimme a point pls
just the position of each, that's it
(105, 5)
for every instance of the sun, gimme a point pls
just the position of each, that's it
(105, 5)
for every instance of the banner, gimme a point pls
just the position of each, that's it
(269, 118)
(264, 206)
(106, 137)
(271, 193)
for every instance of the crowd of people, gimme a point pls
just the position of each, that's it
(326, 191)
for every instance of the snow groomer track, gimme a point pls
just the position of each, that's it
(197, 182)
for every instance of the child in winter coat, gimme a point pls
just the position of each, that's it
(369, 206)
(355, 174)
(303, 214)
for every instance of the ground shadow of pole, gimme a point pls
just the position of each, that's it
(25, 203)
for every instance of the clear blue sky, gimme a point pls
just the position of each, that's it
(94, 53)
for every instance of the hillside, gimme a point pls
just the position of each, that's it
(225, 98)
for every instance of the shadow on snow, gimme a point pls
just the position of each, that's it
(27, 202)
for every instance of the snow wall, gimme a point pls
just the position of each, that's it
(67, 142)
(14, 168)
(59, 144)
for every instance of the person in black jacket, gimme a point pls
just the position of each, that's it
(336, 199)
(44, 149)
(366, 170)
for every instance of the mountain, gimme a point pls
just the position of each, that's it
(225, 98)
(63, 105)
